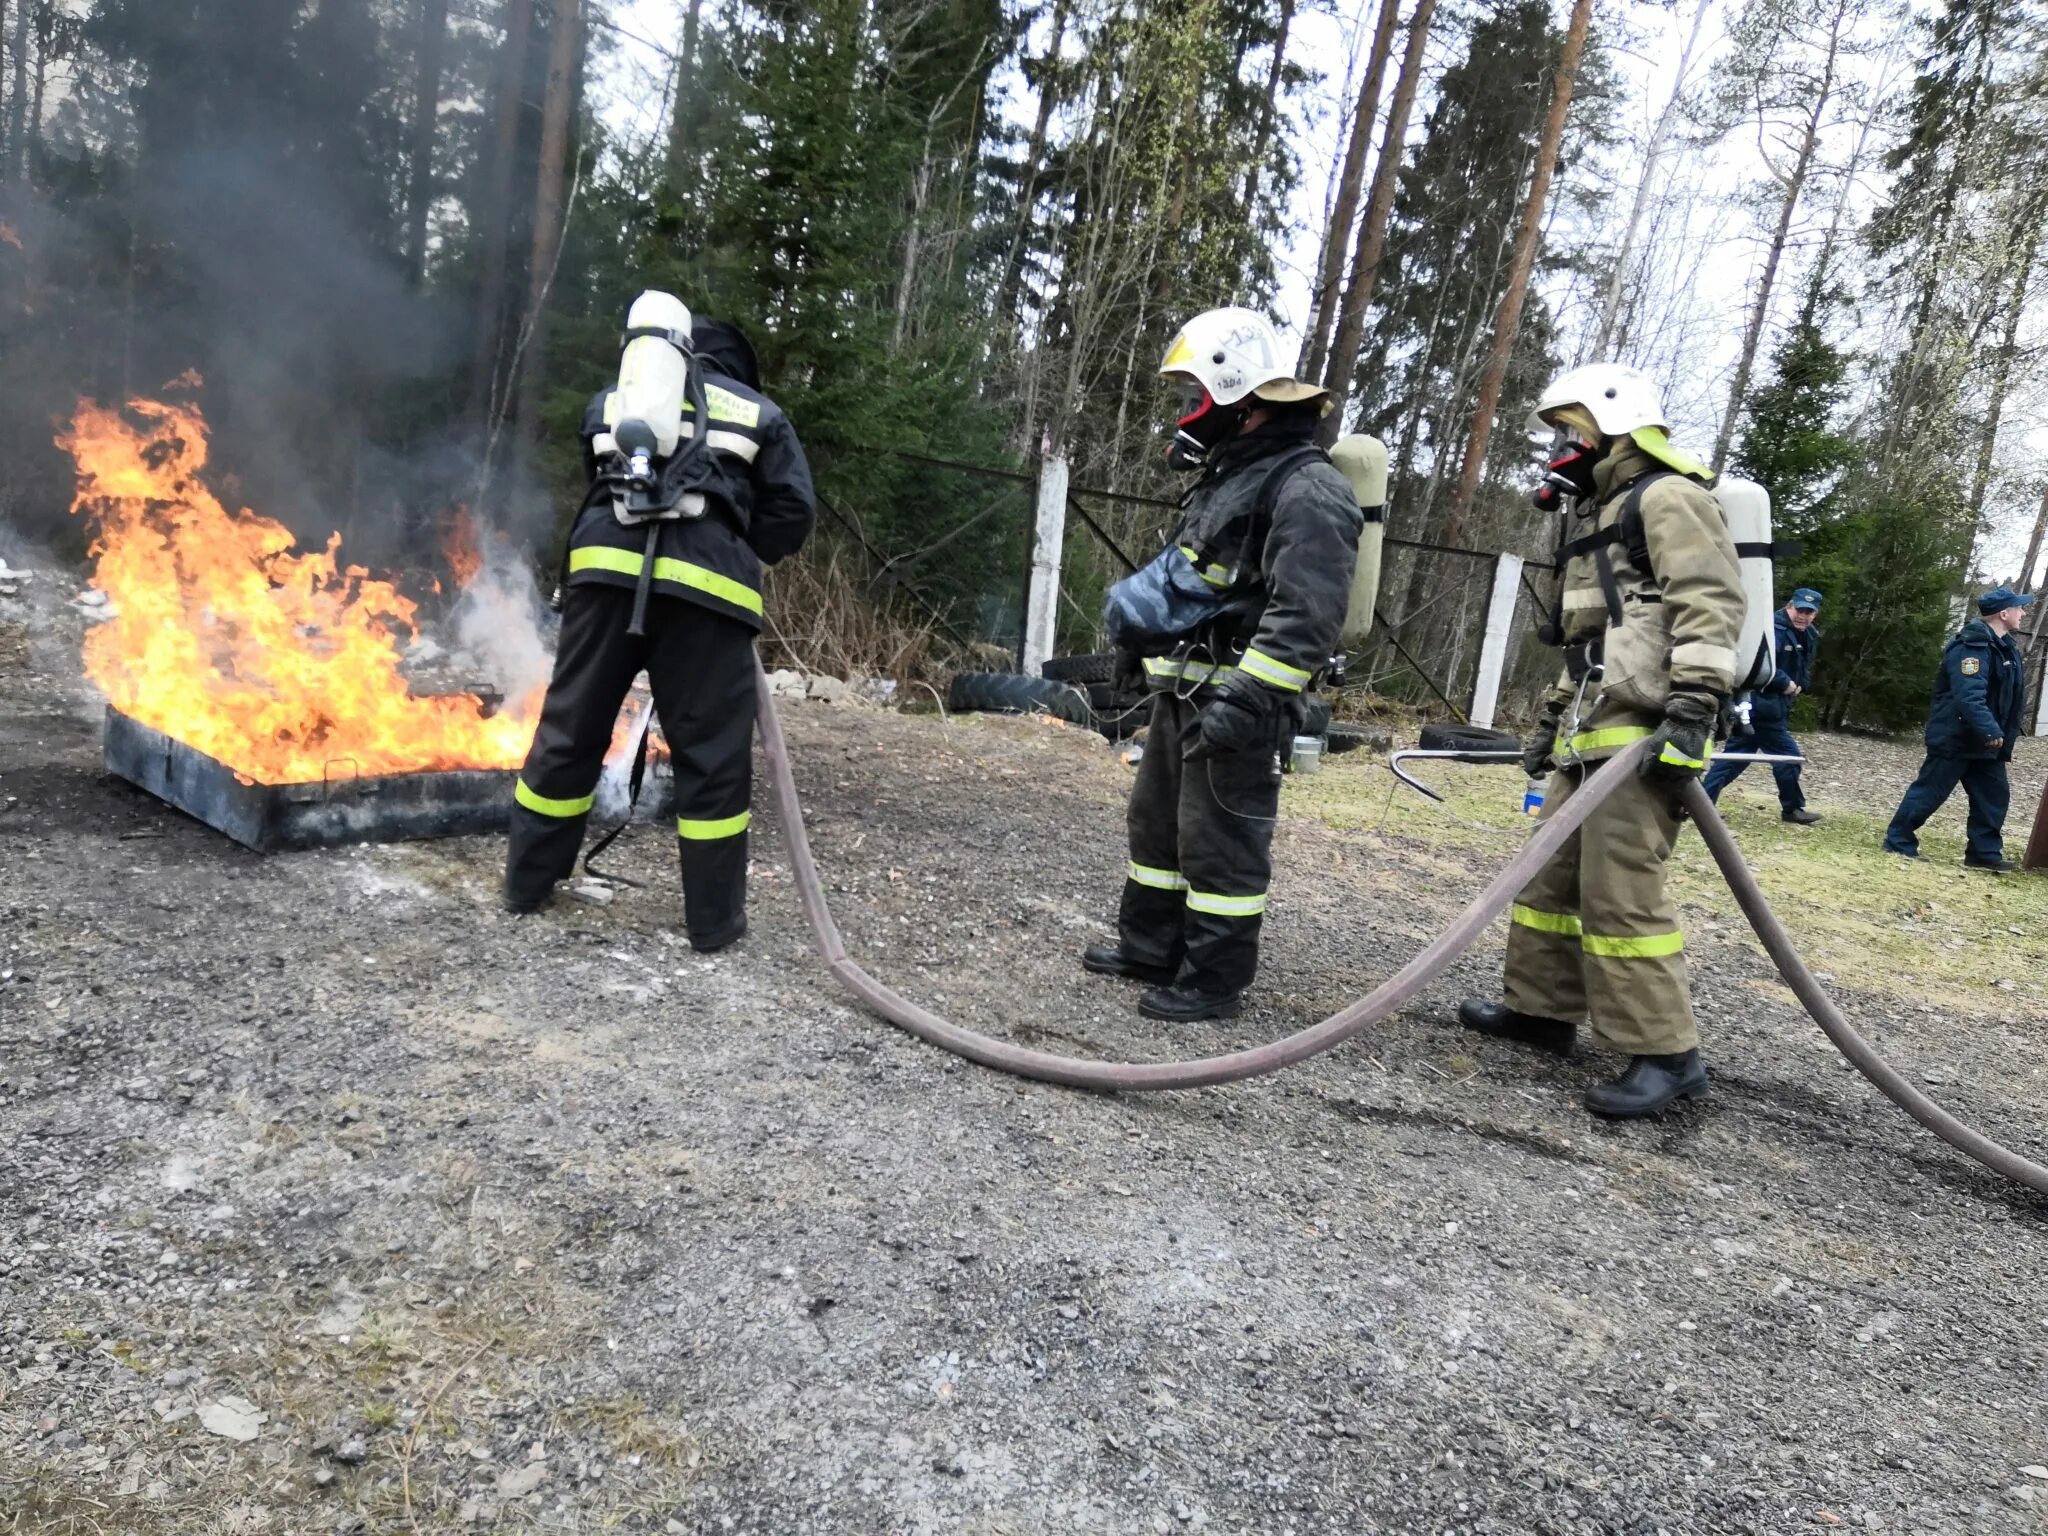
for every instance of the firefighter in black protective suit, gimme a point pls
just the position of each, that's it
(703, 612)
(1230, 627)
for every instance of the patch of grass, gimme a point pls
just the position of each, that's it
(1926, 931)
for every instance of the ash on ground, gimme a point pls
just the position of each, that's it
(337, 1200)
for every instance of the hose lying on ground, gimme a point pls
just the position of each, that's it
(1386, 999)
(1807, 988)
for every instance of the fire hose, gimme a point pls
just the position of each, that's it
(1386, 999)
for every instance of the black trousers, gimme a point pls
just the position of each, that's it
(1201, 855)
(700, 666)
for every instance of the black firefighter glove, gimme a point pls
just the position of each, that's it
(1238, 719)
(1539, 752)
(1678, 747)
(1127, 672)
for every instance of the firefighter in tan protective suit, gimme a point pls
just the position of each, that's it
(1651, 605)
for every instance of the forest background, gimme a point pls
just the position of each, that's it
(395, 238)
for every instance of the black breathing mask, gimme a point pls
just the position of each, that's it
(1569, 474)
(1202, 427)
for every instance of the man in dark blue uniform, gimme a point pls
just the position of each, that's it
(1770, 710)
(1978, 697)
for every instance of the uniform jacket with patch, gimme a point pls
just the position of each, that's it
(1979, 695)
(760, 507)
(1680, 617)
(1287, 593)
(1796, 652)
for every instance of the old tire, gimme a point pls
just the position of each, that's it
(1012, 693)
(1096, 667)
(1468, 738)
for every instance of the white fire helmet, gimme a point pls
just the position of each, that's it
(1618, 399)
(1233, 353)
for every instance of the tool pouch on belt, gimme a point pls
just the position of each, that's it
(1165, 601)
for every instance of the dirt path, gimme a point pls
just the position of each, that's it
(474, 1222)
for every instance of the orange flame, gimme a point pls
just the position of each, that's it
(275, 662)
(463, 547)
(9, 237)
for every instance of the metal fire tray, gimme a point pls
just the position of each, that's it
(343, 807)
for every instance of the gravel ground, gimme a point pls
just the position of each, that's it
(336, 1200)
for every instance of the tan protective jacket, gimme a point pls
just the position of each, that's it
(1681, 618)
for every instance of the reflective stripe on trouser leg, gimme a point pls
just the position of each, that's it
(701, 667)
(1544, 974)
(1227, 804)
(1633, 953)
(1152, 910)
(595, 664)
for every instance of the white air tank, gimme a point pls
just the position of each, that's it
(1363, 460)
(1747, 506)
(654, 373)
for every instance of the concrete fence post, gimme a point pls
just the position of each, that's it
(1493, 645)
(1042, 593)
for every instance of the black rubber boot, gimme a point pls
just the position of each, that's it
(1108, 960)
(1993, 867)
(1651, 1085)
(522, 902)
(713, 943)
(1184, 1005)
(1801, 817)
(1556, 1036)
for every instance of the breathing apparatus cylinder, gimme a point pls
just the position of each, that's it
(654, 369)
(1747, 506)
(1363, 461)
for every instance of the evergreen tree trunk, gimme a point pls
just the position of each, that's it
(494, 218)
(1269, 108)
(46, 21)
(1795, 188)
(17, 114)
(1372, 234)
(2001, 365)
(1653, 154)
(1008, 292)
(1509, 319)
(565, 38)
(686, 86)
(426, 113)
(1350, 186)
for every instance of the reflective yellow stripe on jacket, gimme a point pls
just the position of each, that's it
(627, 562)
(1601, 740)
(1186, 671)
(1277, 673)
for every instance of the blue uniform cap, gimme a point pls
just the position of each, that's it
(1998, 599)
(1805, 597)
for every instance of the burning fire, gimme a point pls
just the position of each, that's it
(283, 665)
(463, 547)
(9, 237)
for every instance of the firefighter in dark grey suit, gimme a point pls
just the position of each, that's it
(1272, 529)
(698, 649)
